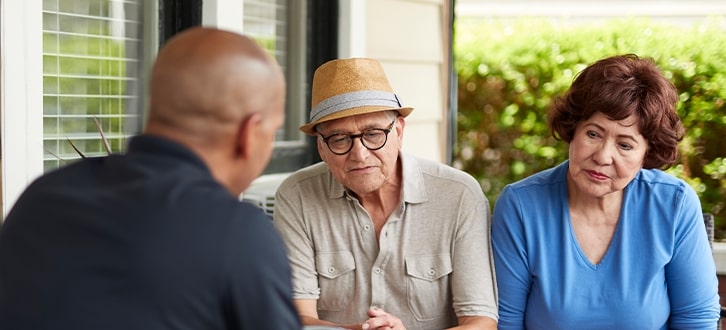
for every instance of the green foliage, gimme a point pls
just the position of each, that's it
(510, 71)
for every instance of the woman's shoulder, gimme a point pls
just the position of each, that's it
(659, 179)
(662, 187)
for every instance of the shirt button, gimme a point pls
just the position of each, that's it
(378, 270)
(367, 227)
(432, 272)
(331, 270)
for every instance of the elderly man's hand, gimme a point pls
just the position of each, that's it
(380, 320)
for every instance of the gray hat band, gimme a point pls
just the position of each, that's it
(350, 100)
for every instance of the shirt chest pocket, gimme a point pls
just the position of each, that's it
(336, 278)
(429, 290)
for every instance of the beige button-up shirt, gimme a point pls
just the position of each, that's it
(432, 263)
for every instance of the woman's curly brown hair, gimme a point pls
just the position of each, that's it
(619, 87)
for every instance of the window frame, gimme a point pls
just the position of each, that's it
(314, 40)
(21, 87)
(321, 38)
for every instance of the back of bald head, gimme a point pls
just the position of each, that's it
(205, 81)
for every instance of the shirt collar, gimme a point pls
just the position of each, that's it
(414, 187)
(164, 148)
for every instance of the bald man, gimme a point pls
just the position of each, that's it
(156, 238)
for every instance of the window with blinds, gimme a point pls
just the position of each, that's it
(279, 27)
(92, 62)
(265, 21)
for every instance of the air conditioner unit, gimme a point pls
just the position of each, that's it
(262, 191)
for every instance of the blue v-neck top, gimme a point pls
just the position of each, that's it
(658, 272)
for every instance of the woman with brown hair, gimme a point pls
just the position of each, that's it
(606, 240)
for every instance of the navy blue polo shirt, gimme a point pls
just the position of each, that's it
(142, 240)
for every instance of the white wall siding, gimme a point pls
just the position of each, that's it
(410, 39)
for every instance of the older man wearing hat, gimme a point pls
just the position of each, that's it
(377, 238)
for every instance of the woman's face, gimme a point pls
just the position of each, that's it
(605, 155)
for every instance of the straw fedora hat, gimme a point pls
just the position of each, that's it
(349, 87)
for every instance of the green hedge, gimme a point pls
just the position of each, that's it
(509, 72)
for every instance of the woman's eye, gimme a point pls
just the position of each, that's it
(626, 146)
(592, 134)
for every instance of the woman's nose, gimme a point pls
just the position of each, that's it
(603, 154)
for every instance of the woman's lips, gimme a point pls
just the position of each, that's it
(597, 175)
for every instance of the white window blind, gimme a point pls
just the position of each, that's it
(279, 26)
(266, 22)
(91, 68)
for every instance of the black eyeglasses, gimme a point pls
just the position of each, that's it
(372, 139)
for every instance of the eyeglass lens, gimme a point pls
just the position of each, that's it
(372, 139)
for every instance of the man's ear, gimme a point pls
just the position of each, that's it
(246, 133)
(401, 123)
